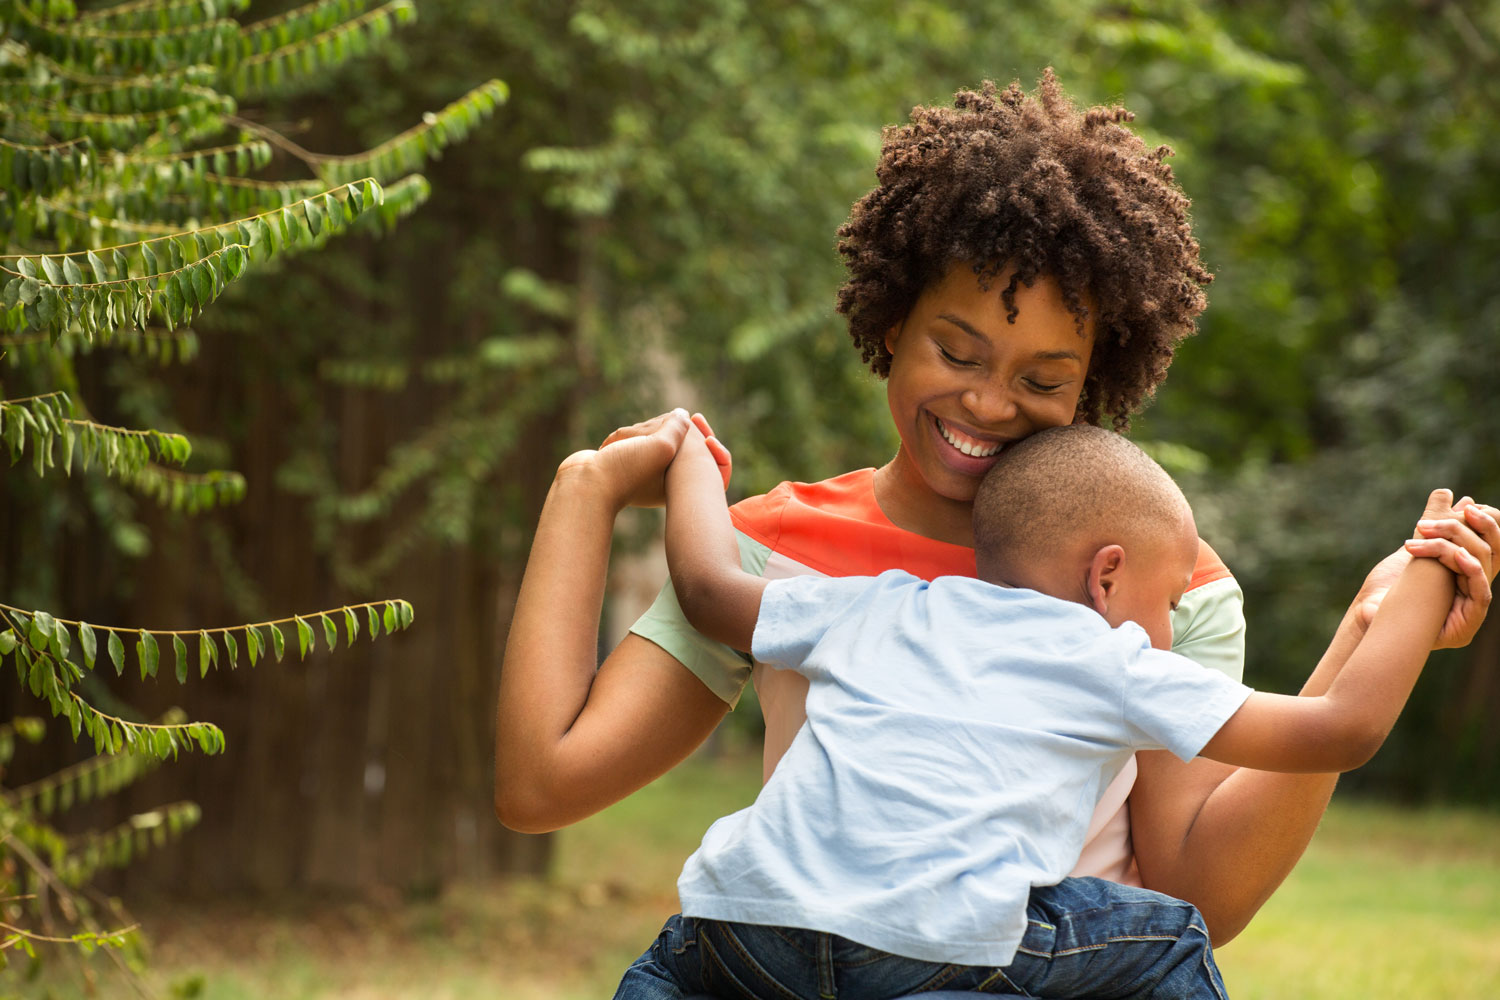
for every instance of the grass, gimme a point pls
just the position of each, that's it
(1388, 904)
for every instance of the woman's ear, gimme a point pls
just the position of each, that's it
(892, 335)
(1104, 576)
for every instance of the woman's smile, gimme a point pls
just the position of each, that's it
(965, 443)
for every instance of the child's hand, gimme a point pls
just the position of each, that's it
(1466, 539)
(630, 467)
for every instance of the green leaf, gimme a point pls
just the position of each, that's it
(53, 270)
(47, 304)
(372, 617)
(314, 213)
(175, 303)
(87, 642)
(116, 651)
(42, 626)
(71, 271)
(203, 282)
(208, 653)
(147, 654)
(59, 640)
(278, 641)
(351, 626)
(234, 260)
(304, 637)
(390, 617)
(267, 240)
(7, 642)
(252, 643)
(180, 649)
(232, 648)
(330, 633)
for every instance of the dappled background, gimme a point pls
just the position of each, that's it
(649, 220)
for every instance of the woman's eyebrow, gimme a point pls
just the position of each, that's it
(966, 327)
(974, 332)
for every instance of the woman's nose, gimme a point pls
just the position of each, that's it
(989, 405)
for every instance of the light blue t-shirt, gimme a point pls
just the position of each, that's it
(958, 737)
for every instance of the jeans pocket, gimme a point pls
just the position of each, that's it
(679, 935)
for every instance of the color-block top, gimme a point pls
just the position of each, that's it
(836, 528)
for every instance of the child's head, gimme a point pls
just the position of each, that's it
(1080, 513)
(1031, 183)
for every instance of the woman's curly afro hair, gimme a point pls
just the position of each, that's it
(1006, 178)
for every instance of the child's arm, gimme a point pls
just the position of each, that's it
(1341, 728)
(718, 598)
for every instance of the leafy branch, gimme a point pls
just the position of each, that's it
(176, 275)
(410, 149)
(40, 647)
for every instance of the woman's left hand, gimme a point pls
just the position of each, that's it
(1468, 543)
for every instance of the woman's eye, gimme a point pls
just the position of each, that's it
(954, 360)
(1044, 386)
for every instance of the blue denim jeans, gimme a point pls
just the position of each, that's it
(1086, 939)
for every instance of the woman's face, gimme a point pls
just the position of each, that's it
(965, 382)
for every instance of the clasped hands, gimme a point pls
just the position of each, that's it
(630, 468)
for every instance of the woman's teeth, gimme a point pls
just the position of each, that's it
(972, 448)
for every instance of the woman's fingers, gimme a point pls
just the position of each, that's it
(1485, 520)
(715, 447)
(1477, 533)
(1454, 556)
(645, 427)
(1472, 575)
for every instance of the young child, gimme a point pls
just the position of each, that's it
(959, 733)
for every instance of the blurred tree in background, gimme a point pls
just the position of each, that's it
(1342, 173)
(650, 221)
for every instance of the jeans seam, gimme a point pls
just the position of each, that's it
(999, 976)
(940, 978)
(748, 959)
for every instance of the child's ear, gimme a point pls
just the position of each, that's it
(1104, 576)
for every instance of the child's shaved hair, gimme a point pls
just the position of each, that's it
(1065, 488)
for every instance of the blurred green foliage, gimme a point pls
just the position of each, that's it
(650, 221)
(653, 221)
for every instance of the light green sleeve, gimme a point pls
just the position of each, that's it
(725, 671)
(1209, 627)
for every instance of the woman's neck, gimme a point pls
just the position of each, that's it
(906, 499)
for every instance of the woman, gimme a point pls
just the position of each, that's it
(1021, 264)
